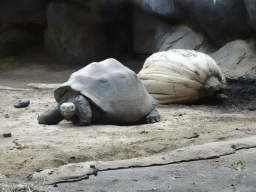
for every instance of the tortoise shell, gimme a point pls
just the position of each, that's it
(114, 88)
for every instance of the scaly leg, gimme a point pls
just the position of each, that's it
(50, 117)
(153, 116)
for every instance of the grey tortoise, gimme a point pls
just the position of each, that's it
(103, 92)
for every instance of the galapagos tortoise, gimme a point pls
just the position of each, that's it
(103, 92)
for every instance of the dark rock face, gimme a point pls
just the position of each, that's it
(82, 31)
(21, 23)
(221, 20)
(251, 9)
(144, 29)
(15, 40)
(78, 35)
(16, 13)
(68, 27)
(161, 8)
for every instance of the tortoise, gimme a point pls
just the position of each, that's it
(103, 92)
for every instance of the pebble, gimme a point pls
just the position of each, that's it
(1, 110)
(92, 166)
(7, 134)
(252, 108)
(23, 103)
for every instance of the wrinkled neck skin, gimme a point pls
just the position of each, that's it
(212, 87)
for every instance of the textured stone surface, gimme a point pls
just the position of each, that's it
(23, 12)
(15, 40)
(177, 37)
(162, 8)
(209, 175)
(237, 59)
(78, 171)
(78, 35)
(221, 20)
(83, 31)
(144, 29)
(251, 9)
(21, 24)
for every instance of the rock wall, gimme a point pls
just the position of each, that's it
(21, 25)
(82, 31)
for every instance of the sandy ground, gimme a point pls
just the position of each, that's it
(34, 147)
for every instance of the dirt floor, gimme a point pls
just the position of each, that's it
(34, 147)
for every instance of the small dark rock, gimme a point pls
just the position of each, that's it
(55, 185)
(20, 190)
(6, 116)
(51, 172)
(23, 103)
(29, 176)
(194, 136)
(73, 157)
(92, 166)
(95, 174)
(252, 108)
(144, 132)
(7, 134)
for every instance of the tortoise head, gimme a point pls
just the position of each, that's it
(67, 110)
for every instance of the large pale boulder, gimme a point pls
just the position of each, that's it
(237, 59)
(177, 37)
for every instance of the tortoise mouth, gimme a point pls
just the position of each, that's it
(67, 115)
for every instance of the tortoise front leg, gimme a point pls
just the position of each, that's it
(50, 117)
(153, 116)
(83, 111)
